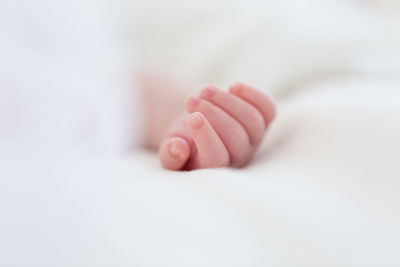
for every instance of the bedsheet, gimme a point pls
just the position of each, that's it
(323, 190)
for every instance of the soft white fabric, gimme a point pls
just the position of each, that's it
(323, 190)
(276, 45)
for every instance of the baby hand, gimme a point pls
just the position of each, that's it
(222, 129)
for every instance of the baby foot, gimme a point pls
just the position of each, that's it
(222, 129)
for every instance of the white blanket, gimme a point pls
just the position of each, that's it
(323, 190)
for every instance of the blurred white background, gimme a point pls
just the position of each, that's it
(67, 66)
(277, 45)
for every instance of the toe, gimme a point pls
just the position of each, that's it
(174, 153)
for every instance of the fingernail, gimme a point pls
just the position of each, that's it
(209, 91)
(194, 101)
(196, 121)
(173, 149)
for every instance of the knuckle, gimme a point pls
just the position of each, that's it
(238, 145)
(269, 110)
(218, 162)
(237, 139)
(256, 127)
(243, 159)
(256, 120)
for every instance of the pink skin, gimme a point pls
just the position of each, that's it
(222, 129)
